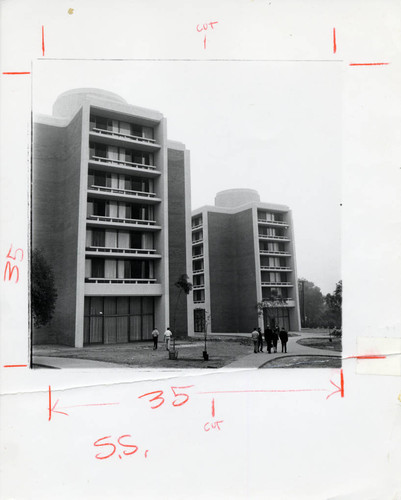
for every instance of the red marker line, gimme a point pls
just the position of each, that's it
(263, 390)
(213, 410)
(14, 366)
(334, 41)
(91, 404)
(342, 384)
(43, 40)
(16, 72)
(50, 402)
(373, 356)
(369, 64)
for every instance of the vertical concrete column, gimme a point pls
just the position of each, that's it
(81, 242)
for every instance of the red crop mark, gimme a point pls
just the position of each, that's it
(264, 390)
(146, 453)
(205, 27)
(370, 356)
(369, 64)
(213, 409)
(334, 41)
(43, 40)
(52, 409)
(15, 366)
(340, 388)
(16, 72)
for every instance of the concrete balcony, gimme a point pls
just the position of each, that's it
(199, 256)
(275, 252)
(274, 268)
(124, 287)
(107, 222)
(126, 253)
(131, 281)
(276, 223)
(109, 193)
(285, 303)
(198, 287)
(197, 242)
(273, 237)
(123, 140)
(123, 167)
(197, 226)
(198, 271)
(202, 301)
(277, 283)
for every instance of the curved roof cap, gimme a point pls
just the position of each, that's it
(231, 198)
(69, 102)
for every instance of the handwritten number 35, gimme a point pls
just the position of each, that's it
(180, 397)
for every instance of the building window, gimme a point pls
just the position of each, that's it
(115, 320)
(199, 320)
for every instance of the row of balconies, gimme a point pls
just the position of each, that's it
(273, 237)
(279, 223)
(122, 252)
(106, 221)
(134, 281)
(123, 166)
(123, 138)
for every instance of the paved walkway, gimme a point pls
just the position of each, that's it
(256, 360)
(55, 362)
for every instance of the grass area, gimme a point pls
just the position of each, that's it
(334, 345)
(304, 362)
(222, 351)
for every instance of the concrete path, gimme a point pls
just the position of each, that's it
(256, 360)
(55, 362)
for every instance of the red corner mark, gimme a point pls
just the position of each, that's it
(52, 409)
(43, 40)
(16, 72)
(369, 64)
(370, 356)
(339, 388)
(334, 41)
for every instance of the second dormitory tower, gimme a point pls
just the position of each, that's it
(243, 254)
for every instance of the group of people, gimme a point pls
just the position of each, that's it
(167, 338)
(271, 337)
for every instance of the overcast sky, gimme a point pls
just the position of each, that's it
(270, 126)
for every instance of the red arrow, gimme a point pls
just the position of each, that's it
(53, 410)
(339, 388)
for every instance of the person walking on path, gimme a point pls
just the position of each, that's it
(167, 338)
(275, 338)
(284, 339)
(155, 335)
(255, 339)
(268, 338)
(260, 340)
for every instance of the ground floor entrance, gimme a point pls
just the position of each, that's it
(278, 316)
(116, 320)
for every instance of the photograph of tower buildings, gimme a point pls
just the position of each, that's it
(129, 268)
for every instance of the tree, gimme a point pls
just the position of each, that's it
(184, 285)
(312, 303)
(43, 290)
(334, 305)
